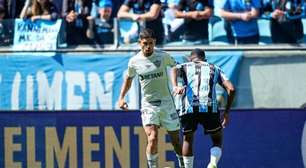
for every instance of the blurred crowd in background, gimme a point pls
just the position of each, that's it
(174, 21)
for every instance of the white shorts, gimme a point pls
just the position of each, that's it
(161, 113)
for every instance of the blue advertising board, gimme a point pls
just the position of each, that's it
(87, 81)
(115, 139)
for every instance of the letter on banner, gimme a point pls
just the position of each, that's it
(31, 150)
(100, 93)
(49, 97)
(53, 147)
(88, 147)
(75, 80)
(10, 147)
(112, 147)
(15, 91)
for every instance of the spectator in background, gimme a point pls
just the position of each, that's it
(76, 13)
(2, 15)
(243, 16)
(196, 14)
(101, 27)
(39, 9)
(6, 27)
(174, 27)
(14, 8)
(286, 20)
(2, 10)
(146, 12)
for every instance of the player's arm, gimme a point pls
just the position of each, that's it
(174, 81)
(229, 87)
(124, 89)
(230, 90)
(176, 89)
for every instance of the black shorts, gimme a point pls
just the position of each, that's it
(210, 121)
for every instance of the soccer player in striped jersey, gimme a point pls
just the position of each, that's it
(199, 105)
(158, 108)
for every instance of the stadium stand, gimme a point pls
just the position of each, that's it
(217, 32)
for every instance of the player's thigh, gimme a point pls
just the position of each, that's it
(169, 118)
(188, 123)
(210, 121)
(150, 115)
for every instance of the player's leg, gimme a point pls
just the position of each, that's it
(212, 124)
(175, 140)
(169, 119)
(216, 150)
(187, 149)
(151, 131)
(150, 122)
(189, 125)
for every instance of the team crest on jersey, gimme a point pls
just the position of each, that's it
(157, 63)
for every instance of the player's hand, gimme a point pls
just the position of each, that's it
(225, 119)
(123, 105)
(178, 90)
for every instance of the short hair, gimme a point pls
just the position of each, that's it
(146, 33)
(198, 53)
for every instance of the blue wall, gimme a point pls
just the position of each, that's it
(253, 139)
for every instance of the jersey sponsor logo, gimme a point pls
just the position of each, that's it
(151, 76)
(155, 103)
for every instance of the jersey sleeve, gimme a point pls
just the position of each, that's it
(169, 61)
(131, 71)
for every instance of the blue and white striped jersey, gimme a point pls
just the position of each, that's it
(200, 80)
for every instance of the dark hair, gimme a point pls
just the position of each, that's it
(198, 53)
(146, 33)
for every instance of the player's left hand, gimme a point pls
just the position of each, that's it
(123, 105)
(225, 119)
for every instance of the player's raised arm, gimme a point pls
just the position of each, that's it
(124, 89)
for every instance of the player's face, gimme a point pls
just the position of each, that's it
(147, 46)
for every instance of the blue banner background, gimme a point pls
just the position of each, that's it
(22, 74)
(254, 138)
